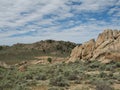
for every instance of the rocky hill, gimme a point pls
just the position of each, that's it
(21, 52)
(105, 48)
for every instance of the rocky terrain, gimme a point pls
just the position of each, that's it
(105, 48)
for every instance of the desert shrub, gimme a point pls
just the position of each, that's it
(31, 83)
(87, 62)
(59, 81)
(103, 86)
(11, 82)
(102, 67)
(50, 71)
(72, 76)
(93, 80)
(118, 64)
(78, 81)
(109, 68)
(110, 75)
(59, 70)
(28, 75)
(78, 62)
(70, 63)
(112, 62)
(84, 76)
(49, 60)
(76, 71)
(102, 75)
(1, 47)
(117, 77)
(67, 73)
(94, 64)
(41, 76)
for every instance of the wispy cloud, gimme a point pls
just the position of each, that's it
(73, 20)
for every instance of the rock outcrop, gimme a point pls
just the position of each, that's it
(4, 65)
(106, 47)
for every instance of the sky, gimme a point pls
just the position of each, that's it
(28, 21)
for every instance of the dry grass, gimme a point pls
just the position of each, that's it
(41, 87)
(81, 87)
(116, 86)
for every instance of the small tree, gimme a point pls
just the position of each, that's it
(49, 60)
(1, 47)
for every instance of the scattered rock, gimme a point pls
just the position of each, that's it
(22, 68)
(4, 65)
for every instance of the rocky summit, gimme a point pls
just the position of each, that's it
(105, 48)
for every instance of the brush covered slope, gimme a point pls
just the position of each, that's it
(78, 75)
(21, 52)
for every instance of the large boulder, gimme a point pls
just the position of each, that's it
(106, 47)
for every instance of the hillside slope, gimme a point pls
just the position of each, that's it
(22, 52)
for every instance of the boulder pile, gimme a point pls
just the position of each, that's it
(105, 47)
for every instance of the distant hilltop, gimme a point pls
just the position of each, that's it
(21, 52)
(105, 48)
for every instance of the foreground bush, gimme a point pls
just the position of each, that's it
(59, 81)
(41, 76)
(103, 86)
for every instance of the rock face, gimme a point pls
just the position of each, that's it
(106, 47)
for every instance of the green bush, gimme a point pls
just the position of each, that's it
(103, 86)
(67, 73)
(72, 76)
(1, 47)
(41, 77)
(109, 68)
(49, 60)
(59, 81)
(78, 81)
(94, 64)
(118, 64)
(102, 75)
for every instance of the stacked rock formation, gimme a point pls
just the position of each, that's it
(106, 47)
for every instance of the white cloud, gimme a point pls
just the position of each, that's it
(16, 18)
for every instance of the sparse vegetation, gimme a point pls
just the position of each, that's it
(61, 76)
(103, 86)
(59, 81)
(21, 52)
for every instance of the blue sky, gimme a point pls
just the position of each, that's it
(27, 21)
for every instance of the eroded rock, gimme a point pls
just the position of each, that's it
(106, 47)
